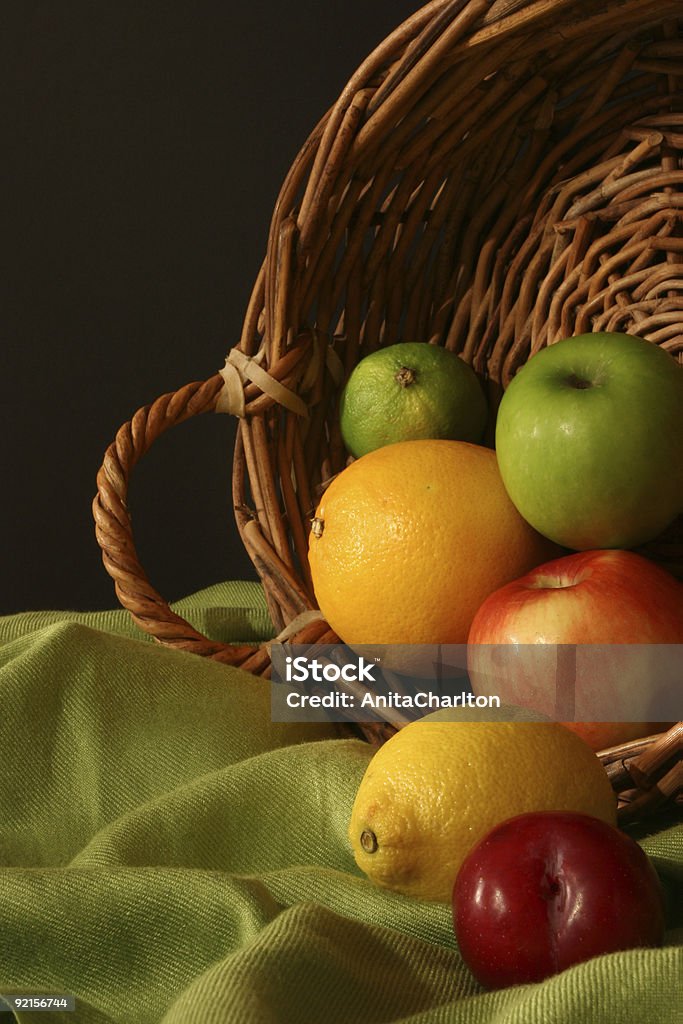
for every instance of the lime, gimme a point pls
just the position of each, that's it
(411, 391)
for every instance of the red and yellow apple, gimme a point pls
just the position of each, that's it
(610, 612)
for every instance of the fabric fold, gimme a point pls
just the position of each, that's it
(169, 855)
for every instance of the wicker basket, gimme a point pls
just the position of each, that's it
(495, 176)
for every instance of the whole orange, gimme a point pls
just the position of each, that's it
(410, 539)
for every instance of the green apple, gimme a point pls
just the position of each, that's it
(589, 439)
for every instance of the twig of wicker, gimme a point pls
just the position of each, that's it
(497, 174)
(646, 774)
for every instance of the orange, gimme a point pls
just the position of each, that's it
(409, 540)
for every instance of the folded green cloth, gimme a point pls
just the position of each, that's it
(171, 856)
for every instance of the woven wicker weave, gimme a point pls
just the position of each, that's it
(495, 176)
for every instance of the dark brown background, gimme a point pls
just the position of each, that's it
(145, 145)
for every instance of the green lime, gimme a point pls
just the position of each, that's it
(411, 391)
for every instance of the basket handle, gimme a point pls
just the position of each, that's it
(114, 531)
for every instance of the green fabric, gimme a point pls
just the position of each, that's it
(170, 856)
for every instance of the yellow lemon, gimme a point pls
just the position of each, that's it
(436, 787)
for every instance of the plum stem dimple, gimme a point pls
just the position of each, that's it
(552, 888)
(554, 892)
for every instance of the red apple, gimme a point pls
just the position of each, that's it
(547, 890)
(600, 736)
(591, 599)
